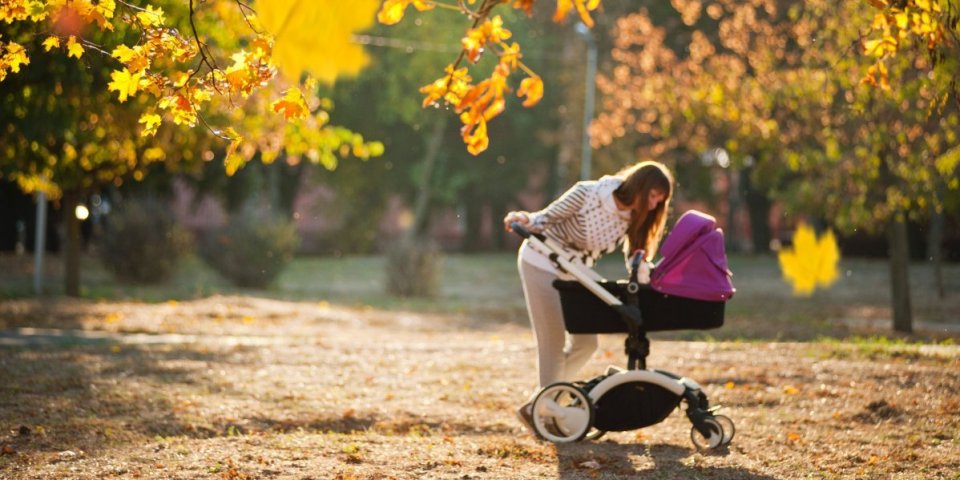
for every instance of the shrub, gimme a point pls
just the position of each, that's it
(142, 242)
(253, 248)
(413, 268)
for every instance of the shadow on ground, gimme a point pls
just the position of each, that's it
(579, 461)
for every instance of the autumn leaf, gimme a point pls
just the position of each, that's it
(50, 43)
(292, 105)
(233, 160)
(151, 122)
(532, 87)
(294, 25)
(151, 16)
(124, 83)
(391, 12)
(74, 49)
(812, 262)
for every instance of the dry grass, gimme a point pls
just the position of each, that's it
(240, 387)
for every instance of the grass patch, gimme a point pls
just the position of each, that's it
(486, 289)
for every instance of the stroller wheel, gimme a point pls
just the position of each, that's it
(710, 442)
(728, 429)
(562, 413)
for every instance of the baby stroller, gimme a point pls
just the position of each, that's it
(688, 289)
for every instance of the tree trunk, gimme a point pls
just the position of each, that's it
(935, 251)
(72, 250)
(420, 209)
(900, 274)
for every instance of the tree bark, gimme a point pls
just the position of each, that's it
(72, 248)
(935, 251)
(900, 274)
(420, 209)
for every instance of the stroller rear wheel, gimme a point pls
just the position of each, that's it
(562, 413)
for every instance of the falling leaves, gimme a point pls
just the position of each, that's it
(812, 262)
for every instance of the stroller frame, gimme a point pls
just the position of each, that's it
(620, 400)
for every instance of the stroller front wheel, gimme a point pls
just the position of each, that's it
(562, 413)
(712, 440)
(728, 429)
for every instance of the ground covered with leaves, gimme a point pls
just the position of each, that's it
(239, 387)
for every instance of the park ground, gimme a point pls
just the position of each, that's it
(323, 376)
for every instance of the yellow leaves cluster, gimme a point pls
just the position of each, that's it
(490, 31)
(478, 103)
(12, 57)
(812, 262)
(895, 24)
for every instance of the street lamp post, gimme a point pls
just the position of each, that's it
(588, 100)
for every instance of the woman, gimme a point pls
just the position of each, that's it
(589, 220)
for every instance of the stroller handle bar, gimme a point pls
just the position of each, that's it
(587, 277)
(521, 230)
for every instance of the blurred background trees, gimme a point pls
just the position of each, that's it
(770, 112)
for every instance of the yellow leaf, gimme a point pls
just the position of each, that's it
(292, 105)
(811, 262)
(51, 42)
(793, 436)
(729, 385)
(151, 122)
(151, 17)
(124, 83)
(74, 49)
(298, 47)
(790, 390)
(14, 57)
(233, 160)
(392, 11)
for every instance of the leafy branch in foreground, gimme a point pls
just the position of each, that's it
(478, 103)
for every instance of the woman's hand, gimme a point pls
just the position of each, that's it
(523, 218)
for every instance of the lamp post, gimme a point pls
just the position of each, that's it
(588, 100)
(39, 243)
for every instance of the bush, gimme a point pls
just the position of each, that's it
(413, 268)
(253, 248)
(142, 242)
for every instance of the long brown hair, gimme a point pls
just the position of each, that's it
(646, 226)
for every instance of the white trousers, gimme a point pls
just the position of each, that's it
(559, 355)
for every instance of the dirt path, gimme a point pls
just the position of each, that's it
(236, 387)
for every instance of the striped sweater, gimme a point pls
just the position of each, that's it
(585, 219)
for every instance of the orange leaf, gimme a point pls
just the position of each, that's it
(532, 87)
(292, 105)
(477, 141)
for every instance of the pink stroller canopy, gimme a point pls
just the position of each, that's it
(694, 263)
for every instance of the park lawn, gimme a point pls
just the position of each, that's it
(484, 289)
(325, 376)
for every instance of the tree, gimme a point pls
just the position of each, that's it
(63, 133)
(787, 84)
